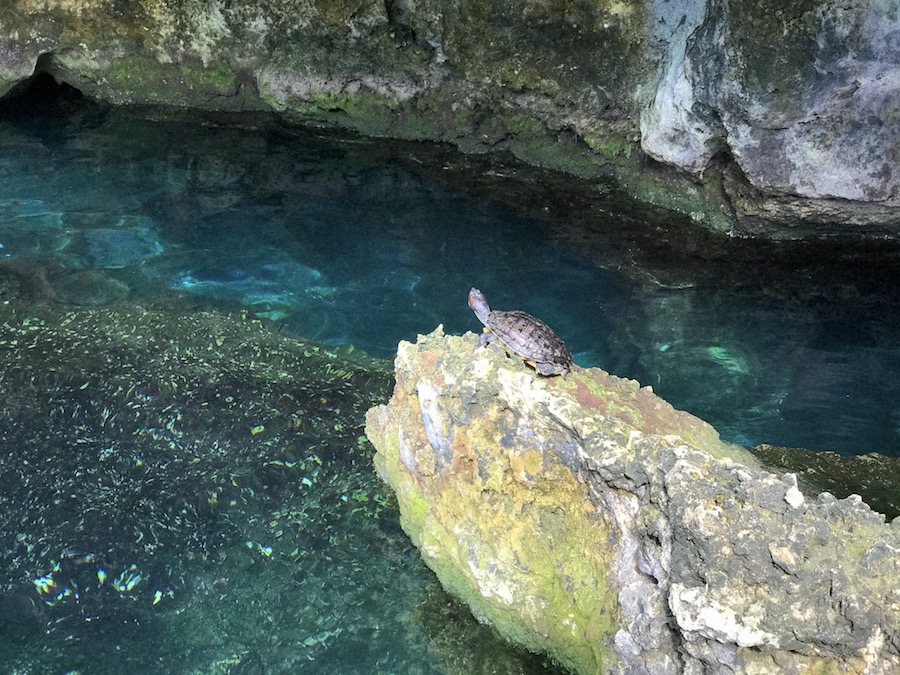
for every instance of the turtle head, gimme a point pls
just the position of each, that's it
(479, 305)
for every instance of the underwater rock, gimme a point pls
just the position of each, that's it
(29, 228)
(265, 279)
(873, 476)
(589, 519)
(89, 288)
(134, 239)
(175, 482)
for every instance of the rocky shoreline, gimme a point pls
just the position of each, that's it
(751, 121)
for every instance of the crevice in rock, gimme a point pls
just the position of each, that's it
(43, 85)
(44, 67)
(399, 19)
(719, 165)
(45, 92)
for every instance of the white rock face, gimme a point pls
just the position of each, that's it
(812, 113)
(697, 613)
(671, 131)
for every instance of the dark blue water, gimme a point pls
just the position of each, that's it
(361, 242)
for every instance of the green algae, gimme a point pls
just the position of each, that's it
(528, 563)
(872, 476)
(524, 124)
(365, 111)
(136, 79)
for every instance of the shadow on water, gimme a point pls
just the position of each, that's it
(187, 488)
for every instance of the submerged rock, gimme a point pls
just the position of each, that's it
(872, 475)
(589, 519)
(175, 481)
(131, 241)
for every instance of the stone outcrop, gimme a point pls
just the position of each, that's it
(798, 97)
(588, 518)
(754, 114)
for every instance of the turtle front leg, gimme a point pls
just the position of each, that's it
(486, 338)
(548, 369)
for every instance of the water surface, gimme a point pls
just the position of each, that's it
(365, 242)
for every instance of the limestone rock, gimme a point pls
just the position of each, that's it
(757, 114)
(797, 97)
(589, 519)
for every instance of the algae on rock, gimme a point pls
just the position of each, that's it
(589, 519)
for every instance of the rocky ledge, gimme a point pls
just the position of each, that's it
(587, 518)
(751, 118)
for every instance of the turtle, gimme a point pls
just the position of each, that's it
(523, 335)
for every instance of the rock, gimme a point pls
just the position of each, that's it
(589, 519)
(872, 475)
(763, 120)
(798, 98)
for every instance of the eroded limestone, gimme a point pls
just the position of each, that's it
(589, 519)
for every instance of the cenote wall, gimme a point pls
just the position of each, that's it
(752, 118)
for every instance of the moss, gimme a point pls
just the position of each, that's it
(219, 75)
(576, 614)
(558, 155)
(611, 400)
(140, 80)
(610, 146)
(522, 124)
(529, 563)
(665, 187)
(356, 105)
(365, 111)
(414, 507)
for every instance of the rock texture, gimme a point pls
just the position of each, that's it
(799, 97)
(757, 114)
(588, 518)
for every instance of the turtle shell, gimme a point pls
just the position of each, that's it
(530, 338)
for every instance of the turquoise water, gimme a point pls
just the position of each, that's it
(351, 241)
(348, 241)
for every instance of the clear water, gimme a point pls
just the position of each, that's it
(350, 241)
(361, 242)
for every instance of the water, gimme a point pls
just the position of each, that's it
(349, 241)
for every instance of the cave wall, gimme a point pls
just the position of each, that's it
(752, 118)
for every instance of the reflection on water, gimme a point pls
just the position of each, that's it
(231, 522)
